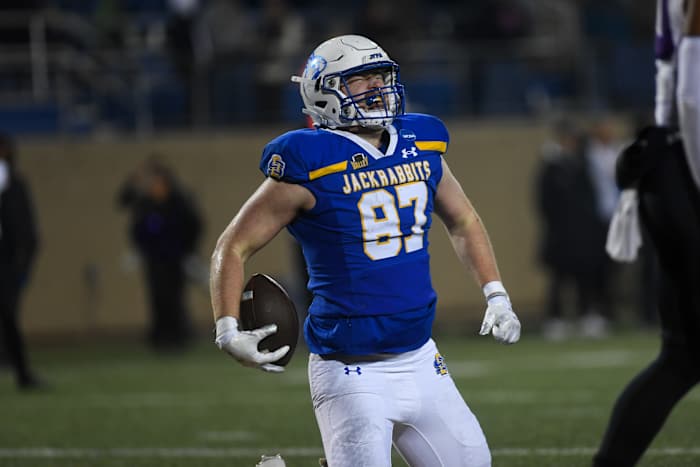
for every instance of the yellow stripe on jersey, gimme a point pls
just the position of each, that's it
(329, 169)
(439, 146)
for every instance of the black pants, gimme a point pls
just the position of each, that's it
(11, 336)
(169, 327)
(591, 291)
(670, 209)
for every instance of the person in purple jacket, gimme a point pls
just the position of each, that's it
(662, 168)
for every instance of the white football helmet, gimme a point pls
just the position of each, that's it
(324, 81)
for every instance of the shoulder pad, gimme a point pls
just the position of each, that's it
(282, 158)
(430, 132)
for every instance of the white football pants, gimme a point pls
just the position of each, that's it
(365, 404)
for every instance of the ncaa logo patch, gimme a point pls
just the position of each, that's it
(407, 134)
(440, 365)
(275, 167)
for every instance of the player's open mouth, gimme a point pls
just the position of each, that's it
(374, 102)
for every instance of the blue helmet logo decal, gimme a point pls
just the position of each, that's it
(315, 66)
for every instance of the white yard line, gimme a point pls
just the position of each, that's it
(582, 399)
(582, 451)
(582, 360)
(227, 436)
(152, 452)
(291, 452)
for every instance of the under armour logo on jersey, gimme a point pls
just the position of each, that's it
(356, 370)
(440, 365)
(409, 152)
(275, 167)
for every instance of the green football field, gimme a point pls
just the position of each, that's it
(540, 404)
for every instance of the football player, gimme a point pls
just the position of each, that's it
(358, 192)
(665, 170)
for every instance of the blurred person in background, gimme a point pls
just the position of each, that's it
(661, 172)
(18, 248)
(180, 34)
(377, 19)
(227, 47)
(572, 233)
(601, 150)
(358, 193)
(499, 20)
(555, 176)
(110, 19)
(282, 31)
(165, 228)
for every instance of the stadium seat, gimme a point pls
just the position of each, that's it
(630, 74)
(504, 87)
(30, 118)
(441, 96)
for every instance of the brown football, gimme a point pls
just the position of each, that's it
(266, 302)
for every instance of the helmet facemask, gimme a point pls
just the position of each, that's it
(325, 86)
(373, 108)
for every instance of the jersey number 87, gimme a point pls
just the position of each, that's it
(381, 223)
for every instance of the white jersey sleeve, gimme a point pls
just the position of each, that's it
(669, 25)
(688, 96)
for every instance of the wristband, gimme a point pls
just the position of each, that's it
(494, 289)
(226, 324)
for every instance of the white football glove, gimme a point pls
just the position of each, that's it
(271, 461)
(499, 319)
(243, 345)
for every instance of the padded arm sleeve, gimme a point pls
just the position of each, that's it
(664, 50)
(665, 84)
(689, 100)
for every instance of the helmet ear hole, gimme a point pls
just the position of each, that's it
(317, 85)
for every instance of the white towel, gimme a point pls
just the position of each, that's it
(624, 236)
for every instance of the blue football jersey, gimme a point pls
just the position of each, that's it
(366, 240)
